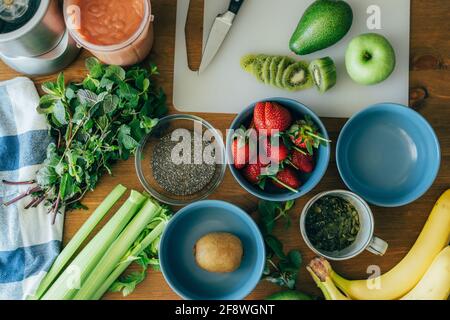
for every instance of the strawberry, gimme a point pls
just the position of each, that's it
(287, 179)
(302, 162)
(299, 142)
(304, 134)
(242, 147)
(259, 116)
(241, 153)
(272, 117)
(252, 173)
(274, 153)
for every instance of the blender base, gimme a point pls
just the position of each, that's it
(55, 60)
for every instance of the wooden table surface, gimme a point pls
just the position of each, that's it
(430, 95)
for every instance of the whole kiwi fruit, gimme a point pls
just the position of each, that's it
(219, 252)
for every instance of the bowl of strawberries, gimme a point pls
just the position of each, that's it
(278, 149)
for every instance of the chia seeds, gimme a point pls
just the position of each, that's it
(190, 176)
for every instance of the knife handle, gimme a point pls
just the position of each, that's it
(235, 5)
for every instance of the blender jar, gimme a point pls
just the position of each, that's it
(128, 51)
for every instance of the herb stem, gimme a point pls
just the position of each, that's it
(59, 138)
(281, 215)
(78, 199)
(273, 264)
(31, 204)
(286, 281)
(41, 199)
(22, 183)
(56, 208)
(289, 162)
(300, 150)
(22, 196)
(317, 137)
(284, 185)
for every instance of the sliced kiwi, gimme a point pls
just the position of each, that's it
(247, 62)
(258, 65)
(323, 72)
(282, 66)
(266, 70)
(288, 74)
(297, 77)
(274, 69)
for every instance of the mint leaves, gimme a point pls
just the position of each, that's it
(281, 268)
(95, 123)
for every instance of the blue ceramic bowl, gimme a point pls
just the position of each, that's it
(309, 181)
(177, 256)
(388, 154)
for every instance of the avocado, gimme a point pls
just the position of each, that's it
(289, 295)
(323, 24)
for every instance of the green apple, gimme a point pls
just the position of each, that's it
(370, 59)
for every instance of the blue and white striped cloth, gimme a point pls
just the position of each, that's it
(29, 243)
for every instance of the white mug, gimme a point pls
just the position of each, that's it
(365, 239)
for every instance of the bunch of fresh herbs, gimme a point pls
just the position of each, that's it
(94, 123)
(281, 268)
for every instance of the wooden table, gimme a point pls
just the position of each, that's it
(430, 95)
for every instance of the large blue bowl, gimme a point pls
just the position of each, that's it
(177, 252)
(309, 181)
(388, 154)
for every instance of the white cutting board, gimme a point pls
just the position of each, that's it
(265, 26)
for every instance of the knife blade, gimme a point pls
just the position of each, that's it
(219, 32)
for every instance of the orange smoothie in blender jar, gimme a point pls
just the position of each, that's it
(116, 31)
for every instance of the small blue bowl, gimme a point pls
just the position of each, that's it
(177, 259)
(309, 181)
(388, 154)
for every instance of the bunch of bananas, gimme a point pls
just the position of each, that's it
(424, 274)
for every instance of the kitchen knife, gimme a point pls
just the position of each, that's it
(219, 31)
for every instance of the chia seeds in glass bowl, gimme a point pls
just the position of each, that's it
(185, 177)
(180, 178)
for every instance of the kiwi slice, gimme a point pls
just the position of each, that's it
(274, 69)
(323, 72)
(247, 62)
(266, 70)
(282, 66)
(258, 65)
(297, 77)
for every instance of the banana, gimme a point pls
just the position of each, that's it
(435, 285)
(406, 275)
(320, 269)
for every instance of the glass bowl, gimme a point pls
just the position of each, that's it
(186, 124)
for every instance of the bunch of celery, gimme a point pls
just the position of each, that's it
(131, 235)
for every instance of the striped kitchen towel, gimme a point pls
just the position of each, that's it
(29, 243)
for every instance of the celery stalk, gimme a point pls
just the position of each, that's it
(126, 261)
(85, 262)
(117, 250)
(76, 242)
